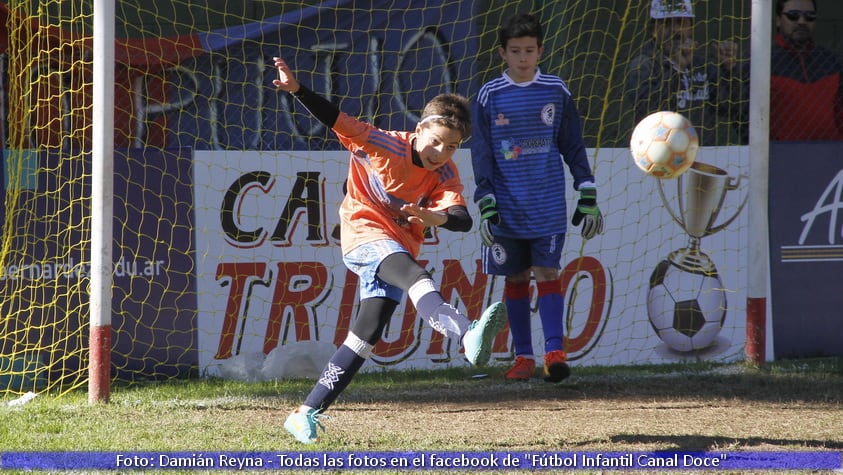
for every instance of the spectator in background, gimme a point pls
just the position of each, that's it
(670, 74)
(805, 81)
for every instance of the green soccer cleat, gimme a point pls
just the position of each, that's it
(480, 336)
(303, 425)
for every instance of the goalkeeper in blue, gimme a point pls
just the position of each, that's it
(526, 128)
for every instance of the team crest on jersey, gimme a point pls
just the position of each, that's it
(548, 111)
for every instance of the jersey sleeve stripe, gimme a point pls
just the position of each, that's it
(387, 142)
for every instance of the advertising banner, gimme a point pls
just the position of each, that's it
(270, 274)
(386, 61)
(46, 271)
(806, 248)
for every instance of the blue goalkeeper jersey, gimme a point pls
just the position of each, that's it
(521, 134)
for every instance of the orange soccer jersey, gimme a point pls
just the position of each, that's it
(381, 179)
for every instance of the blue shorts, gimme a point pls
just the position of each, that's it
(364, 261)
(508, 256)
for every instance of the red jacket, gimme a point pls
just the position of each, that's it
(805, 94)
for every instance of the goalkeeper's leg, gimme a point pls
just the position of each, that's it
(552, 314)
(402, 271)
(546, 257)
(512, 258)
(373, 314)
(477, 337)
(516, 293)
(372, 317)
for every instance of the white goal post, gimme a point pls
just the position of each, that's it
(102, 203)
(759, 155)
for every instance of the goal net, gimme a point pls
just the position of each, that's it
(225, 247)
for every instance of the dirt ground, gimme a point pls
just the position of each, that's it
(702, 412)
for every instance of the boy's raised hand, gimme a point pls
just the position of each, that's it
(286, 81)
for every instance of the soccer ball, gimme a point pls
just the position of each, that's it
(664, 144)
(686, 309)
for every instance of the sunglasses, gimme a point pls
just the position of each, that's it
(793, 15)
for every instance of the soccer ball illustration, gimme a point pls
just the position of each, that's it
(664, 144)
(686, 308)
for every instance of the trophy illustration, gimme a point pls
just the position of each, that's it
(686, 302)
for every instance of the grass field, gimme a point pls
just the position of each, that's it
(785, 406)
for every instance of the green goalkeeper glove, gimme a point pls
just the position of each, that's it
(488, 216)
(588, 213)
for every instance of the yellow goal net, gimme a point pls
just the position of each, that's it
(225, 246)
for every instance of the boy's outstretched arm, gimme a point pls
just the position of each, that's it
(320, 107)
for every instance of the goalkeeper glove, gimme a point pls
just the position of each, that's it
(588, 213)
(488, 216)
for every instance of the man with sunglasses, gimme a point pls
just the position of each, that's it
(806, 86)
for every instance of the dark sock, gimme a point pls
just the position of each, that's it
(336, 376)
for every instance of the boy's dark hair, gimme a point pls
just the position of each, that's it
(780, 6)
(520, 26)
(451, 110)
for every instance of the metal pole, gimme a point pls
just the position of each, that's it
(759, 156)
(102, 203)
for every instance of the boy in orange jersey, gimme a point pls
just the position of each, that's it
(398, 184)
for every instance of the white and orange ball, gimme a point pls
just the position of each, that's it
(664, 144)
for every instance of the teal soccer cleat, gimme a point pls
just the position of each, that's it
(480, 336)
(303, 426)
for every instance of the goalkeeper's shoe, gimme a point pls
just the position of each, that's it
(304, 424)
(480, 336)
(523, 369)
(556, 366)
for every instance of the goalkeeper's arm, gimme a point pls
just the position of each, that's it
(320, 107)
(458, 219)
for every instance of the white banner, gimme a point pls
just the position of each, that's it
(270, 273)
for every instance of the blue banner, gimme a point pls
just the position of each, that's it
(806, 248)
(154, 293)
(490, 461)
(382, 63)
